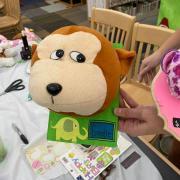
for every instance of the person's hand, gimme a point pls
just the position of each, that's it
(147, 68)
(137, 120)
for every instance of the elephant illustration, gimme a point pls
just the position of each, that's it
(67, 128)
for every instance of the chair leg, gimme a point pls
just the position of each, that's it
(20, 27)
(3, 11)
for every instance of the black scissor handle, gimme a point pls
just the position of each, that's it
(19, 87)
(15, 86)
(16, 82)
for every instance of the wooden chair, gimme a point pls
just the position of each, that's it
(1, 4)
(114, 25)
(145, 40)
(11, 19)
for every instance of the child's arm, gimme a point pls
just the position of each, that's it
(153, 60)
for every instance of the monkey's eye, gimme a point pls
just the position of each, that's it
(77, 56)
(58, 54)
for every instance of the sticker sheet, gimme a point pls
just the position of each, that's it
(88, 165)
(44, 158)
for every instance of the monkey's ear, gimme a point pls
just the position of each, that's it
(125, 59)
(34, 54)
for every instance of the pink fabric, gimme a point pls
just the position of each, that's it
(30, 37)
(169, 106)
(171, 66)
(167, 61)
(2, 38)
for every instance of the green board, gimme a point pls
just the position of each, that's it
(170, 9)
(99, 130)
(117, 45)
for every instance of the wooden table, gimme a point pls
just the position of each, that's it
(168, 170)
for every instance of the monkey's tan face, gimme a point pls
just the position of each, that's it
(65, 79)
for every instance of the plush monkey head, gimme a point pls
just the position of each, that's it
(75, 70)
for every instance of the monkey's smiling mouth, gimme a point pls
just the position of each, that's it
(52, 100)
(83, 102)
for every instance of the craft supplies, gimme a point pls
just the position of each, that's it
(88, 165)
(44, 157)
(14, 86)
(21, 135)
(8, 55)
(3, 151)
(131, 159)
(52, 159)
(31, 37)
(26, 50)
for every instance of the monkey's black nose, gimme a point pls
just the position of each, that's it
(54, 89)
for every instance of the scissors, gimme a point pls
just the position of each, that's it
(14, 86)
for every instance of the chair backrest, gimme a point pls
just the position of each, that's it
(1, 4)
(146, 39)
(114, 25)
(12, 8)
